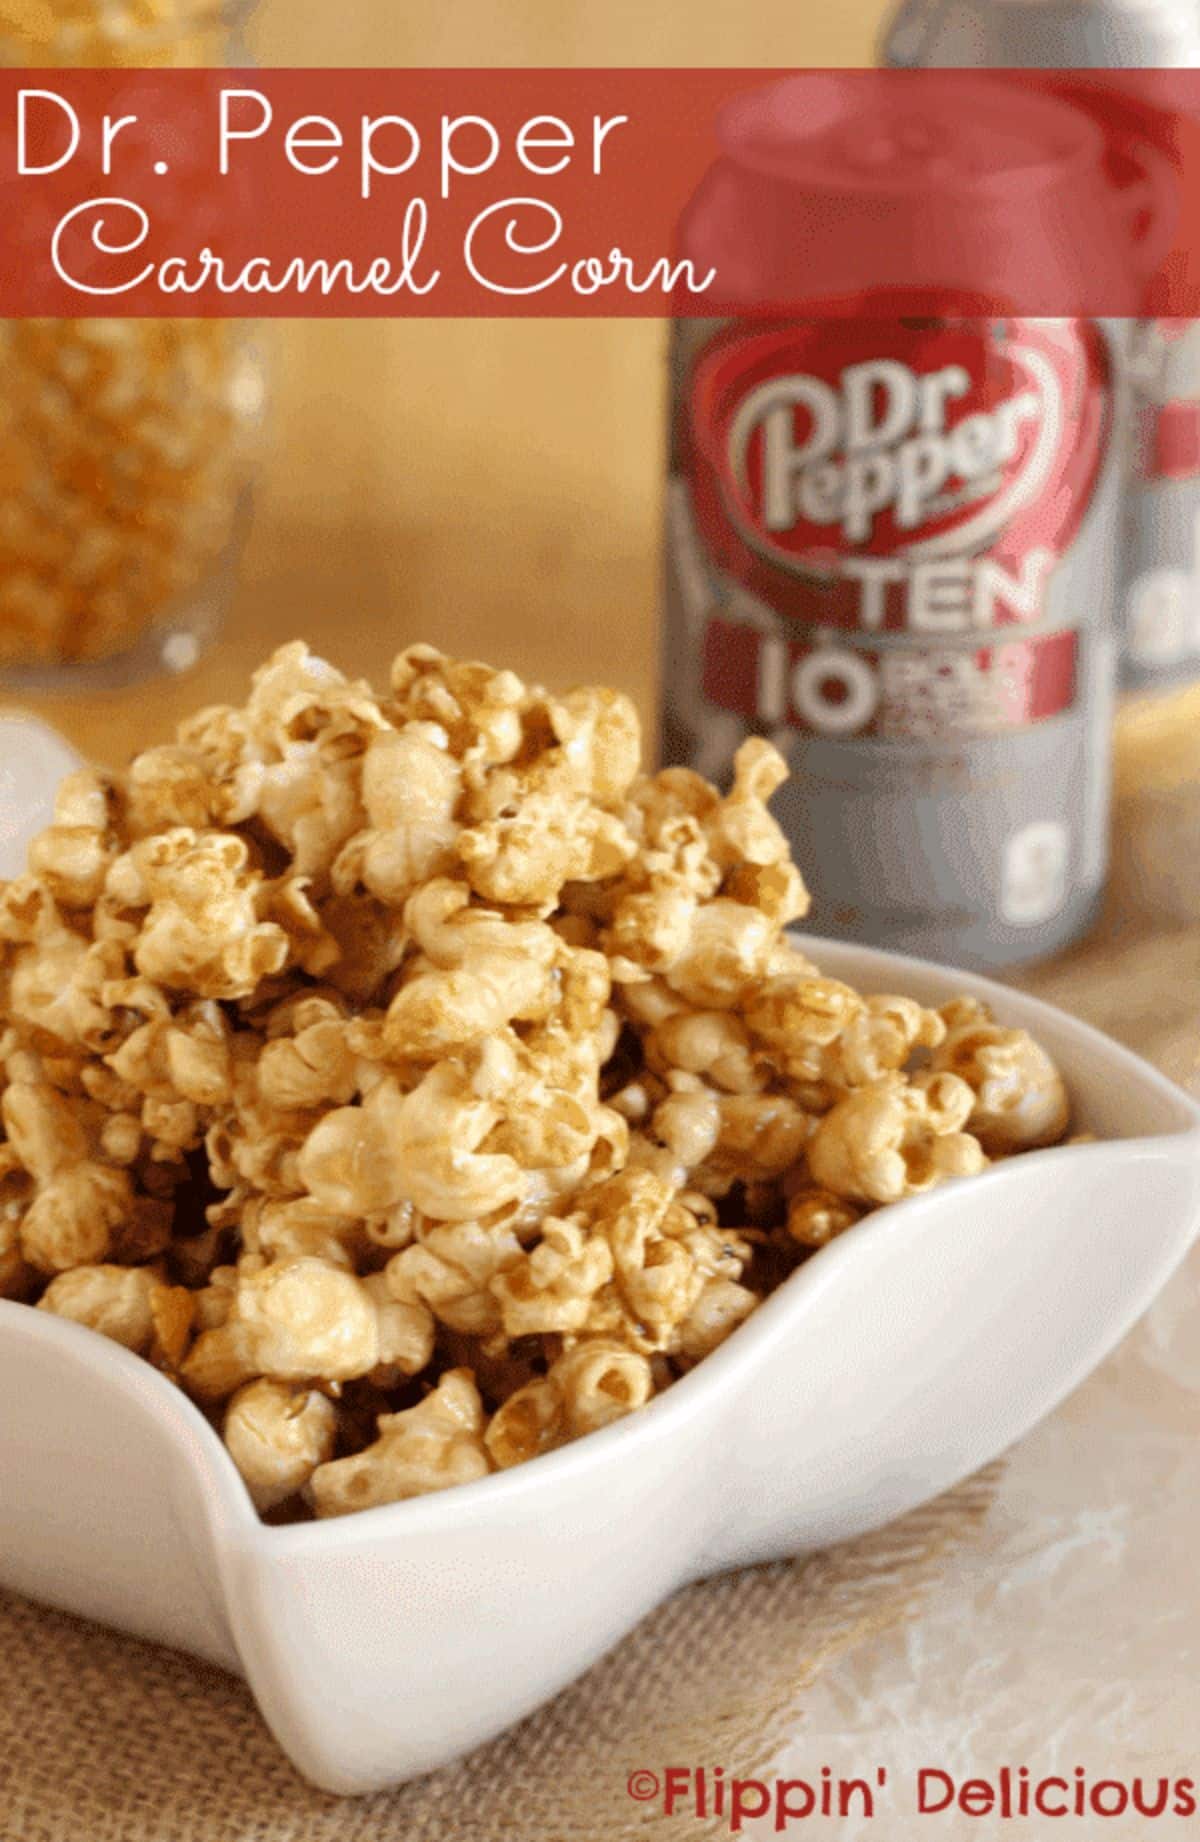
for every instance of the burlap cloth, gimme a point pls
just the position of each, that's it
(103, 1739)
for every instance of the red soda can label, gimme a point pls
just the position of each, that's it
(895, 497)
(1173, 444)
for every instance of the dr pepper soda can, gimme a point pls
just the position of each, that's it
(891, 531)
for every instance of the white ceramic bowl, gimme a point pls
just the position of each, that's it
(380, 1645)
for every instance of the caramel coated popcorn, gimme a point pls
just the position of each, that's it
(422, 1086)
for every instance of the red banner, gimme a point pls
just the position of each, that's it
(596, 192)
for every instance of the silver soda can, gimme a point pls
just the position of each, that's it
(1043, 34)
(1160, 593)
(1161, 582)
(890, 548)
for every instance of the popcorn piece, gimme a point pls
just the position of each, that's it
(348, 1163)
(537, 826)
(714, 1044)
(201, 933)
(451, 1269)
(552, 1288)
(795, 1018)
(172, 1311)
(587, 1388)
(219, 1361)
(73, 855)
(453, 932)
(127, 1303)
(726, 954)
(880, 1038)
(762, 1137)
(600, 1382)
(438, 1010)
(891, 1139)
(662, 1257)
(530, 1422)
(652, 928)
(602, 738)
(420, 1147)
(689, 1125)
(297, 1319)
(411, 786)
(56, 987)
(315, 1067)
(428, 1447)
(1020, 1098)
(717, 1312)
(305, 1318)
(74, 1217)
(281, 1227)
(197, 1057)
(481, 710)
(214, 1301)
(277, 1435)
(404, 1332)
(169, 786)
(815, 1217)
(45, 1135)
(741, 829)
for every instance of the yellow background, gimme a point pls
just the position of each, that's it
(490, 486)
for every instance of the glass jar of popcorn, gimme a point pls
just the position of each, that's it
(125, 445)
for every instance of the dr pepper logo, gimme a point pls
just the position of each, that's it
(820, 449)
(915, 479)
